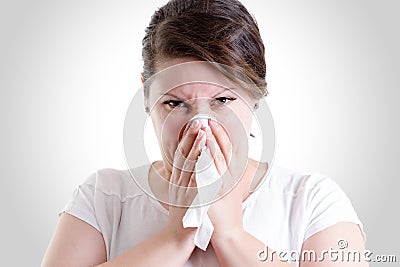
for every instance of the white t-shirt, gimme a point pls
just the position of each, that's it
(286, 209)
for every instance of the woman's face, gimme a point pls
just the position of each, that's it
(173, 102)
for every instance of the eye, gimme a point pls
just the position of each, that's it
(174, 103)
(223, 100)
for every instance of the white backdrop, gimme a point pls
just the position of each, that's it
(68, 70)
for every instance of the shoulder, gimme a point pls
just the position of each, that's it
(287, 181)
(301, 203)
(317, 194)
(123, 184)
(315, 198)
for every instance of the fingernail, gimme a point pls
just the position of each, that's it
(194, 124)
(213, 122)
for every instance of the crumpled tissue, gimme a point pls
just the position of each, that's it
(208, 185)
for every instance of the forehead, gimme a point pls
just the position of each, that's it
(198, 90)
(192, 79)
(187, 73)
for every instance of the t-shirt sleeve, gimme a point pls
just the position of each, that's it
(327, 205)
(81, 204)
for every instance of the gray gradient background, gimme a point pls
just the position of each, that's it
(68, 70)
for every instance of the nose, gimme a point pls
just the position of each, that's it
(202, 107)
(202, 112)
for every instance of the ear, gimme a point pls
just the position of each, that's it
(146, 101)
(146, 105)
(256, 105)
(142, 77)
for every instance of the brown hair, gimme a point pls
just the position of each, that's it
(219, 31)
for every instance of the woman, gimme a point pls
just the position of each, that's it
(111, 221)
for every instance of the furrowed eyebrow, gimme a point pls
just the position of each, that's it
(177, 97)
(226, 89)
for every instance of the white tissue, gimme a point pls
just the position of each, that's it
(208, 184)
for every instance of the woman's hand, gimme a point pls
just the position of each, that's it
(182, 186)
(226, 212)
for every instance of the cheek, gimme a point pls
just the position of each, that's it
(167, 129)
(238, 120)
(237, 123)
(170, 131)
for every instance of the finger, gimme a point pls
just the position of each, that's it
(198, 144)
(190, 162)
(189, 137)
(184, 179)
(185, 144)
(175, 170)
(192, 181)
(222, 139)
(216, 153)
